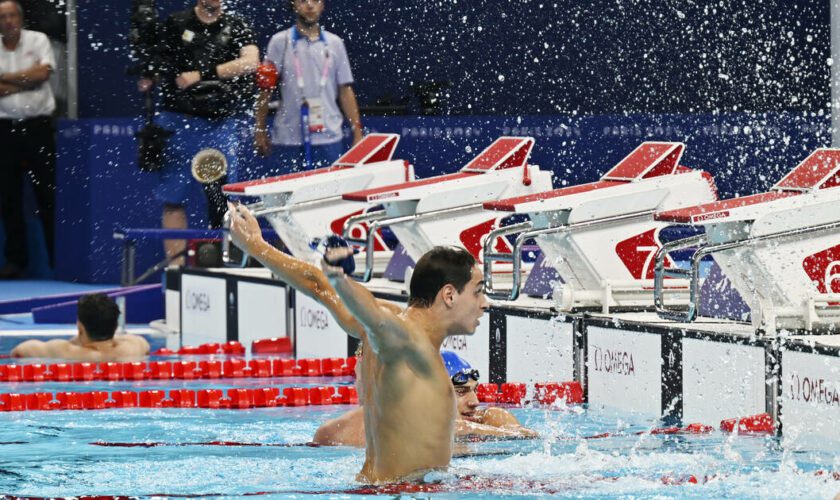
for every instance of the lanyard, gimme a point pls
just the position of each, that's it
(296, 59)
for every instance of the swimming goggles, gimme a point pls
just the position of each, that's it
(462, 377)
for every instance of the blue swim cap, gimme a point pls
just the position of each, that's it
(454, 364)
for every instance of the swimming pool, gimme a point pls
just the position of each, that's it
(230, 453)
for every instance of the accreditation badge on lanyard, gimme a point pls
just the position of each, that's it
(315, 120)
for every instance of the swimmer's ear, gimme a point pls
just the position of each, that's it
(448, 295)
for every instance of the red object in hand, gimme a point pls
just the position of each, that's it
(266, 76)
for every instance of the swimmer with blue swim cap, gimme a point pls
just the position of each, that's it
(473, 422)
(406, 393)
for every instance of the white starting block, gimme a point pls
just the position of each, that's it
(305, 206)
(448, 209)
(601, 237)
(780, 249)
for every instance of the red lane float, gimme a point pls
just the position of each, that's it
(179, 370)
(754, 424)
(546, 393)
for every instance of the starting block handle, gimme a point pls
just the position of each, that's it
(369, 242)
(489, 257)
(693, 276)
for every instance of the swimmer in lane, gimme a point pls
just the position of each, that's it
(406, 393)
(96, 340)
(473, 421)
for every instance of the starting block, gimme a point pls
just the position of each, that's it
(449, 209)
(780, 249)
(304, 206)
(601, 237)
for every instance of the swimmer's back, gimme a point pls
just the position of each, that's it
(120, 348)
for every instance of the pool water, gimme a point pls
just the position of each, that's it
(54, 453)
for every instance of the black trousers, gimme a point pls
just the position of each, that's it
(27, 148)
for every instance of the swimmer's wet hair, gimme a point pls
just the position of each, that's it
(440, 266)
(98, 313)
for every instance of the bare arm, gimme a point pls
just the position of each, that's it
(387, 333)
(30, 349)
(503, 419)
(260, 116)
(28, 78)
(347, 100)
(249, 59)
(9, 89)
(300, 275)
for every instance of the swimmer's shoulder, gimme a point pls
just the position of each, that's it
(132, 345)
(390, 306)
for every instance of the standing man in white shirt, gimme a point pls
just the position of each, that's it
(27, 136)
(315, 80)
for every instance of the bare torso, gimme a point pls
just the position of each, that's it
(400, 405)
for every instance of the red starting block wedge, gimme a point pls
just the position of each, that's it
(209, 398)
(233, 348)
(296, 396)
(84, 372)
(13, 402)
(210, 368)
(124, 399)
(754, 424)
(265, 397)
(260, 368)
(310, 367)
(11, 373)
(347, 395)
(333, 367)
(151, 399)
(110, 371)
(96, 400)
(184, 370)
(487, 393)
(283, 367)
(349, 368)
(69, 400)
(277, 345)
(240, 398)
(182, 398)
(34, 373)
(160, 370)
(60, 372)
(321, 395)
(513, 393)
(39, 401)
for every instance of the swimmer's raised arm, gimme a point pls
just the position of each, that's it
(387, 333)
(302, 276)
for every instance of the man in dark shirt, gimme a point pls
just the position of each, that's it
(205, 67)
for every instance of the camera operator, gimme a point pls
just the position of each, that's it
(205, 65)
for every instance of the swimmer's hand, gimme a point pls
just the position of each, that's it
(331, 263)
(245, 231)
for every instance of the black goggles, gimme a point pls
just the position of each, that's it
(463, 377)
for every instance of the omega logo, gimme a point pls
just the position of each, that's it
(313, 318)
(197, 301)
(610, 361)
(455, 343)
(813, 390)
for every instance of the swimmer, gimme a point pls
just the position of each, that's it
(473, 421)
(406, 393)
(96, 323)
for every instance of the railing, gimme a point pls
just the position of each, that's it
(693, 274)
